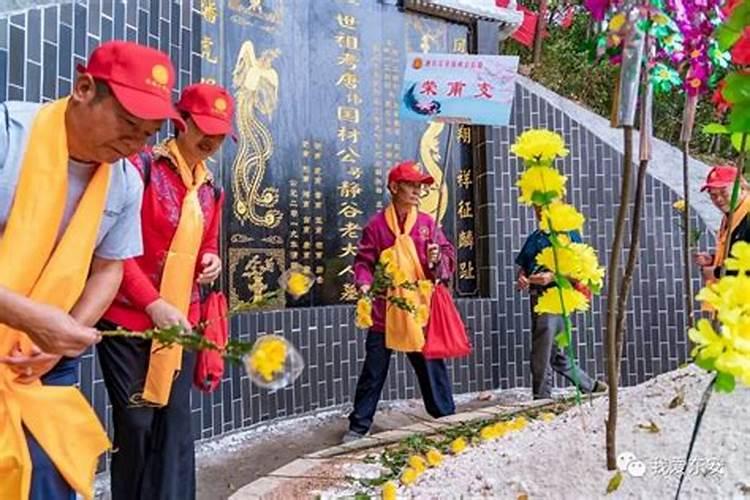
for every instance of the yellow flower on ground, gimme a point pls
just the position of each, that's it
(422, 315)
(363, 319)
(425, 288)
(542, 180)
(268, 357)
(518, 423)
(434, 457)
(409, 476)
(418, 463)
(488, 433)
(561, 217)
(501, 429)
(679, 205)
(539, 145)
(458, 445)
(549, 302)
(547, 416)
(389, 490)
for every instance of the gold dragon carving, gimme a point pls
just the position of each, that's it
(429, 153)
(256, 83)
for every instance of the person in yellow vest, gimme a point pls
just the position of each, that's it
(69, 216)
(719, 183)
(148, 385)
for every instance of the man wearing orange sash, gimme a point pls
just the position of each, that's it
(420, 252)
(69, 216)
(719, 184)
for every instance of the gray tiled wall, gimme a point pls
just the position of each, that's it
(38, 51)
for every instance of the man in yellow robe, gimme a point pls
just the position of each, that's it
(69, 215)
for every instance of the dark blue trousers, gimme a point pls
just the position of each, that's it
(432, 374)
(154, 455)
(46, 481)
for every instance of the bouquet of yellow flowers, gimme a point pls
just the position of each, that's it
(387, 277)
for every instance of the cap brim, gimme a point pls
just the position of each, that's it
(210, 125)
(712, 185)
(145, 105)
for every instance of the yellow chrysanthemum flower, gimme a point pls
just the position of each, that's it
(518, 423)
(458, 445)
(422, 315)
(418, 463)
(589, 271)
(398, 276)
(425, 288)
(576, 261)
(549, 302)
(434, 457)
(679, 205)
(543, 180)
(567, 262)
(547, 416)
(488, 433)
(387, 256)
(298, 284)
(409, 476)
(501, 429)
(617, 22)
(740, 258)
(562, 218)
(539, 145)
(363, 319)
(389, 490)
(268, 357)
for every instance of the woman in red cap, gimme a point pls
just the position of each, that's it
(149, 385)
(719, 184)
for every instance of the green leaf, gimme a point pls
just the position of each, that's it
(543, 197)
(739, 119)
(615, 482)
(724, 382)
(737, 88)
(650, 427)
(561, 339)
(737, 142)
(715, 128)
(726, 36)
(706, 364)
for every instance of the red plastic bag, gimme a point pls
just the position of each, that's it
(209, 364)
(446, 333)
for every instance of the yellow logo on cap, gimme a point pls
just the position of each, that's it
(160, 74)
(220, 104)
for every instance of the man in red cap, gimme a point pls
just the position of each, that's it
(149, 385)
(436, 258)
(719, 184)
(69, 216)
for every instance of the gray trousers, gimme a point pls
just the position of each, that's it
(547, 356)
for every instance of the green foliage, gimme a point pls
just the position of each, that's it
(568, 70)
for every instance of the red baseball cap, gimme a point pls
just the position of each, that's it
(409, 171)
(141, 78)
(210, 106)
(720, 176)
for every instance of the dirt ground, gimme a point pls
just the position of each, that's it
(227, 464)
